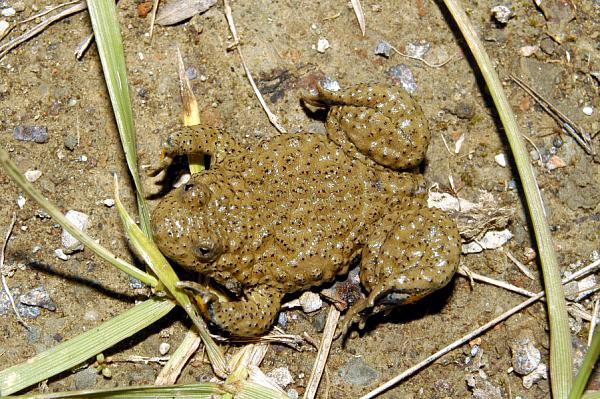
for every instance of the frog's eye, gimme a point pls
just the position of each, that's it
(207, 250)
(196, 194)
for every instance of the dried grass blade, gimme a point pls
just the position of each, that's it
(360, 16)
(77, 350)
(151, 255)
(103, 15)
(561, 354)
(11, 169)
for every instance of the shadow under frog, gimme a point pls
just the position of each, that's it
(293, 211)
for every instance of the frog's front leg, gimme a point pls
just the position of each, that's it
(382, 122)
(191, 140)
(247, 317)
(411, 253)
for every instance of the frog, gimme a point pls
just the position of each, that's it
(296, 210)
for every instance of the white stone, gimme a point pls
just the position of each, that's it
(59, 253)
(70, 243)
(21, 201)
(527, 51)
(322, 45)
(33, 175)
(282, 376)
(491, 240)
(8, 12)
(3, 27)
(310, 302)
(588, 110)
(501, 160)
(109, 202)
(164, 348)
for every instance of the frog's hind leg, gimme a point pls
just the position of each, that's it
(382, 122)
(246, 317)
(191, 140)
(411, 253)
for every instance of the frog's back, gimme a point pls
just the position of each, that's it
(311, 206)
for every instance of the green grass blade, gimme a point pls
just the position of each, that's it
(110, 47)
(561, 355)
(75, 351)
(586, 367)
(11, 169)
(207, 390)
(152, 256)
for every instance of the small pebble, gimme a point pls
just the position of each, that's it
(282, 376)
(512, 184)
(91, 315)
(310, 302)
(21, 201)
(322, 45)
(383, 48)
(417, 50)
(282, 320)
(292, 393)
(135, 284)
(85, 378)
(501, 160)
(37, 134)
(402, 74)
(3, 27)
(59, 253)
(557, 142)
(42, 214)
(191, 73)
(70, 142)
(552, 150)
(70, 243)
(164, 348)
(357, 372)
(534, 155)
(19, 6)
(527, 51)
(33, 175)
(536, 375)
(106, 372)
(36, 249)
(8, 12)
(525, 356)
(38, 297)
(588, 110)
(108, 202)
(502, 13)
(555, 162)
(330, 84)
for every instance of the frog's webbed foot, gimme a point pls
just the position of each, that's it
(382, 122)
(247, 317)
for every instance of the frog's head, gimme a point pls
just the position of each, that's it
(182, 231)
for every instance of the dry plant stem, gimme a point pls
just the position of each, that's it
(571, 127)
(519, 265)
(561, 355)
(272, 117)
(11, 169)
(153, 18)
(317, 371)
(429, 64)
(169, 374)
(4, 49)
(497, 283)
(382, 388)
(360, 16)
(4, 283)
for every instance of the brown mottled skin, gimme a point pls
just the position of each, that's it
(293, 211)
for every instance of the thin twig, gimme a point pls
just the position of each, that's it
(519, 265)
(272, 117)
(47, 11)
(4, 283)
(484, 279)
(360, 16)
(567, 124)
(83, 46)
(429, 64)
(594, 321)
(153, 17)
(582, 272)
(319, 365)
(4, 49)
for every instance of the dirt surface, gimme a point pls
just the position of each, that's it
(42, 84)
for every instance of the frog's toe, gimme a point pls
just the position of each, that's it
(163, 164)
